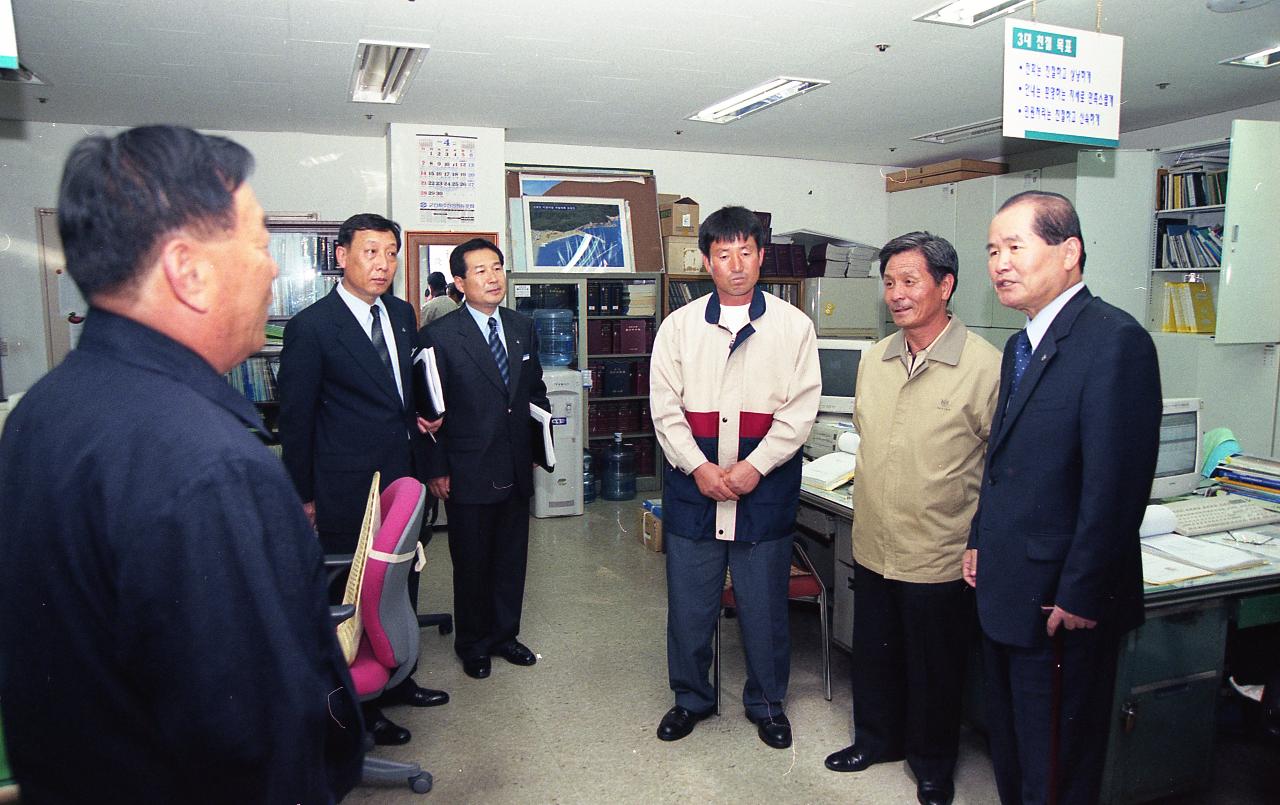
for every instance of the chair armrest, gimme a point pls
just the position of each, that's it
(340, 613)
(335, 563)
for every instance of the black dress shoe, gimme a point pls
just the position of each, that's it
(476, 667)
(387, 733)
(775, 731)
(855, 758)
(931, 793)
(679, 722)
(408, 692)
(516, 653)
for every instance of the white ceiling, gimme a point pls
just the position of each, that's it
(608, 72)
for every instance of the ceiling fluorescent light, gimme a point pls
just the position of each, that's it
(979, 129)
(753, 100)
(1263, 58)
(383, 70)
(970, 13)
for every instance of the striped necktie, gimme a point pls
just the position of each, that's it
(499, 352)
(380, 341)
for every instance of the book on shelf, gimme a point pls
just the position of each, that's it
(255, 378)
(1192, 187)
(1185, 246)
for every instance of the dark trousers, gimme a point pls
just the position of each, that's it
(695, 581)
(489, 545)
(1018, 690)
(910, 644)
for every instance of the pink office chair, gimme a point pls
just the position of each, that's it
(389, 644)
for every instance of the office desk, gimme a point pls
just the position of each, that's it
(1170, 668)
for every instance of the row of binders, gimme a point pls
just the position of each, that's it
(1251, 476)
(1188, 308)
(620, 298)
(256, 379)
(290, 293)
(300, 252)
(1186, 246)
(1191, 188)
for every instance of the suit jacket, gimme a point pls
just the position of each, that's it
(485, 443)
(340, 416)
(1067, 477)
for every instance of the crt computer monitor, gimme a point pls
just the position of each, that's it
(838, 362)
(1179, 460)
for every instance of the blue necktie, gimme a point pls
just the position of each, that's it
(1021, 360)
(499, 352)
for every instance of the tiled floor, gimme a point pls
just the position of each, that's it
(578, 727)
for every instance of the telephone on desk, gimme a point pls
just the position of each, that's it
(834, 469)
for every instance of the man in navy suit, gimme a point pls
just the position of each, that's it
(1067, 477)
(346, 405)
(482, 464)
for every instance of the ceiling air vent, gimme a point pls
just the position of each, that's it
(980, 129)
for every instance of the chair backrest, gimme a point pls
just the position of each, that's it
(390, 621)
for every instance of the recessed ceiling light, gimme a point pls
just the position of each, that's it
(1263, 58)
(767, 94)
(970, 13)
(968, 132)
(383, 70)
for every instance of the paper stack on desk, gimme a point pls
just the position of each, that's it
(1201, 553)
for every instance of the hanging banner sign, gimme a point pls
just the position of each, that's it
(8, 37)
(1062, 84)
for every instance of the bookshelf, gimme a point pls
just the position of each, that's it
(681, 289)
(1215, 239)
(308, 269)
(616, 317)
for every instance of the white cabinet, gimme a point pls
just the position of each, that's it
(1114, 194)
(1249, 281)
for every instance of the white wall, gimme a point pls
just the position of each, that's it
(1197, 129)
(334, 176)
(833, 197)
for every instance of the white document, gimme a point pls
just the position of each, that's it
(1157, 569)
(426, 358)
(1253, 540)
(543, 418)
(829, 471)
(1201, 553)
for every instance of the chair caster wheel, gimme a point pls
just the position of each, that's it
(421, 783)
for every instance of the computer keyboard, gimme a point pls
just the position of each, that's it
(1222, 513)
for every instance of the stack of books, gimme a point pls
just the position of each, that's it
(1251, 476)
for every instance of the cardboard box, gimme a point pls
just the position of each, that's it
(953, 170)
(651, 531)
(682, 255)
(678, 216)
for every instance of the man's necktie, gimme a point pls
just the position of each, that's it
(380, 341)
(1021, 359)
(499, 351)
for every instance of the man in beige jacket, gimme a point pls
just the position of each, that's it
(926, 396)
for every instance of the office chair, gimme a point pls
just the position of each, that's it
(389, 643)
(805, 585)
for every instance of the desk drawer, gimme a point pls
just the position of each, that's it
(1258, 610)
(1175, 644)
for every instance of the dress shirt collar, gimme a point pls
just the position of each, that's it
(482, 321)
(1037, 327)
(360, 308)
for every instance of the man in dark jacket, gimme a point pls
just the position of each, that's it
(162, 613)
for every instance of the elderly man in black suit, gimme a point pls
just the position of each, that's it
(482, 464)
(347, 409)
(1067, 476)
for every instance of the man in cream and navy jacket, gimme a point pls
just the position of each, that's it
(734, 388)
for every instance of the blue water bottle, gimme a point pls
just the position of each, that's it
(619, 471)
(555, 336)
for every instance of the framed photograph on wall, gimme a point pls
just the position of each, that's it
(564, 233)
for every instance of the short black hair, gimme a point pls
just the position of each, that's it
(436, 282)
(938, 254)
(458, 257)
(1055, 219)
(370, 221)
(727, 224)
(119, 196)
